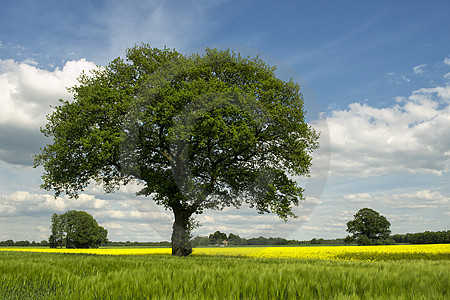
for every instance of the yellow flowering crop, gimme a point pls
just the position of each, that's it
(394, 252)
(99, 251)
(372, 253)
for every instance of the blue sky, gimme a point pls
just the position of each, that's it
(375, 78)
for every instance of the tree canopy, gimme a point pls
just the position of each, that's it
(217, 237)
(368, 227)
(76, 229)
(198, 132)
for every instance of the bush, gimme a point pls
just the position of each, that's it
(389, 241)
(363, 240)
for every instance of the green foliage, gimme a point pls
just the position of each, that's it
(57, 237)
(139, 244)
(217, 237)
(348, 240)
(22, 243)
(369, 227)
(389, 241)
(234, 239)
(57, 276)
(199, 132)
(76, 229)
(363, 240)
(199, 241)
(11, 243)
(315, 241)
(427, 237)
(7, 243)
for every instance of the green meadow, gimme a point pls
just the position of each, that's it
(26, 275)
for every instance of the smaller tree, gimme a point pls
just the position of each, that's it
(57, 236)
(234, 239)
(369, 227)
(76, 229)
(7, 243)
(217, 237)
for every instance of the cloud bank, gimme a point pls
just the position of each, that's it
(409, 137)
(422, 199)
(26, 93)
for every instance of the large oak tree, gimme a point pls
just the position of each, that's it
(204, 131)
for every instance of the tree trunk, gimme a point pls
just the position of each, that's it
(181, 245)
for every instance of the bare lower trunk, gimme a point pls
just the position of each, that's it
(181, 245)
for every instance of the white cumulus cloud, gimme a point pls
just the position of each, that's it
(26, 93)
(410, 137)
(24, 203)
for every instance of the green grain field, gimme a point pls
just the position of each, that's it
(26, 275)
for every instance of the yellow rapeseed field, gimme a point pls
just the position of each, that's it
(371, 253)
(100, 251)
(394, 252)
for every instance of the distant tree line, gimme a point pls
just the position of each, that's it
(321, 241)
(221, 238)
(11, 243)
(427, 237)
(217, 238)
(198, 241)
(140, 244)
